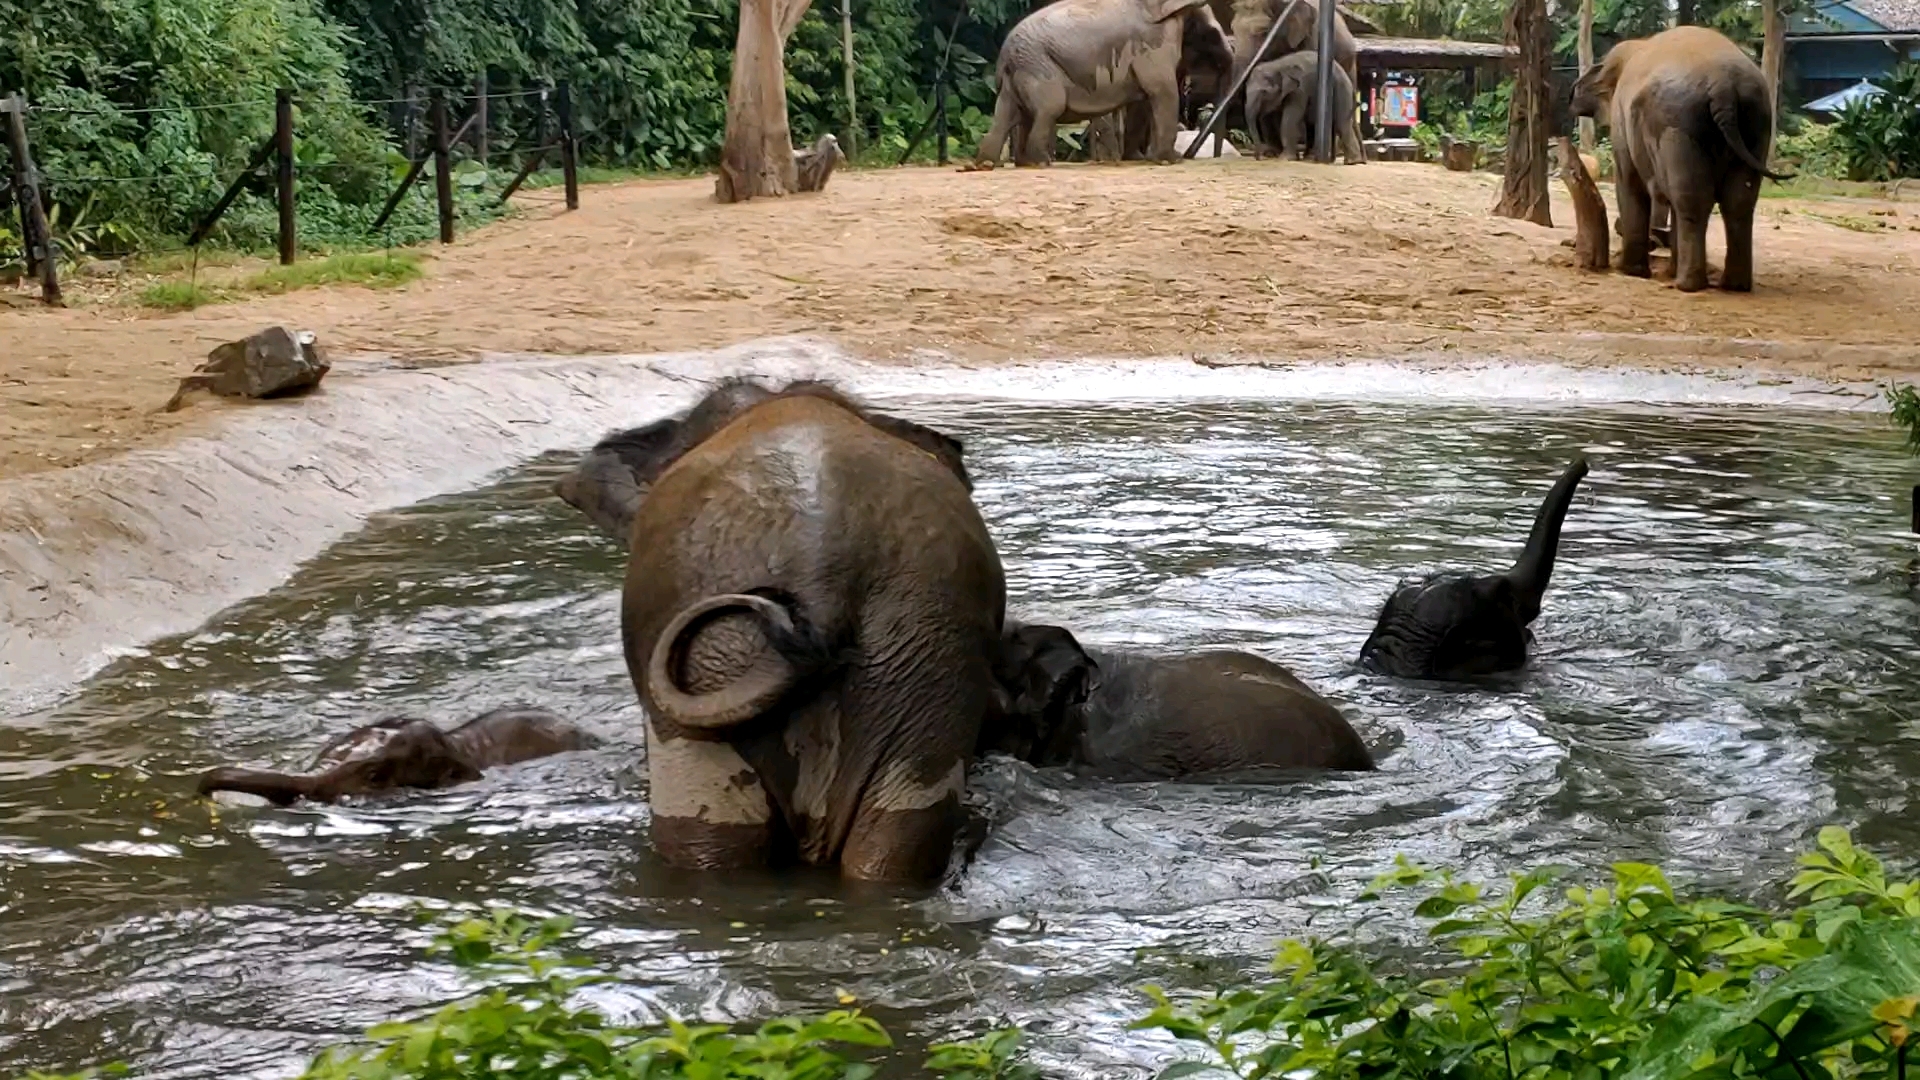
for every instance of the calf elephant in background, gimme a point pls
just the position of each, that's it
(1691, 121)
(401, 752)
(811, 613)
(1135, 716)
(1281, 107)
(1455, 626)
(1077, 60)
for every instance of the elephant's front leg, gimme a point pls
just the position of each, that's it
(709, 809)
(1293, 126)
(1163, 96)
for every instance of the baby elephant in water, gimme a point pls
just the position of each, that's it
(1134, 716)
(406, 753)
(1455, 626)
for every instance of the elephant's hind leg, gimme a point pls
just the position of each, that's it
(1739, 198)
(1635, 209)
(1046, 101)
(709, 809)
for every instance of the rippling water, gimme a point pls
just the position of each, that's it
(1726, 660)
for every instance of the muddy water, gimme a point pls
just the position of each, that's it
(1727, 660)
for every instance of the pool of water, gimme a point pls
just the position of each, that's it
(1726, 660)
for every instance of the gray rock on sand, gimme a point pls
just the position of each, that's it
(272, 363)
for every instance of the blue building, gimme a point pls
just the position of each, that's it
(1840, 42)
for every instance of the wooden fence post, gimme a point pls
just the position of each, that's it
(35, 237)
(940, 110)
(569, 162)
(442, 165)
(480, 117)
(411, 132)
(283, 170)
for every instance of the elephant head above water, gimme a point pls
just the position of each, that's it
(1136, 716)
(1456, 626)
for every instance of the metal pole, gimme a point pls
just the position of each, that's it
(35, 236)
(442, 164)
(569, 148)
(846, 57)
(1323, 103)
(283, 173)
(1233, 92)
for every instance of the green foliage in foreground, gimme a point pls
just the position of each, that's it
(1629, 982)
(1632, 982)
(1903, 403)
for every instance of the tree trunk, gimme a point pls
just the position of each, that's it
(1587, 136)
(1590, 242)
(1524, 193)
(1683, 13)
(757, 158)
(1773, 51)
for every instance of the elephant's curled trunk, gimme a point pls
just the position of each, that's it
(751, 693)
(1535, 566)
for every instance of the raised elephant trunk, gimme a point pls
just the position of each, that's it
(278, 788)
(1529, 575)
(753, 692)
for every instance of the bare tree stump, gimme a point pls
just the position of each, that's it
(1524, 192)
(1589, 211)
(757, 156)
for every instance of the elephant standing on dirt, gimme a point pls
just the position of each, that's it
(1456, 626)
(1133, 716)
(1692, 123)
(811, 612)
(1081, 59)
(1281, 108)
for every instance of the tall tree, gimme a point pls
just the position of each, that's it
(1773, 50)
(757, 157)
(1524, 192)
(1585, 47)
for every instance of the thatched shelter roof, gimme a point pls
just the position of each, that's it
(1416, 53)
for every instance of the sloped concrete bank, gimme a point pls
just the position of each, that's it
(101, 559)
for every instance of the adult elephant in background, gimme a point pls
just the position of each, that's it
(1691, 122)
(1248, 21)
(1281, 108)
(811, 612)
(1081, 59)
(1456, 626)
(1135, 716)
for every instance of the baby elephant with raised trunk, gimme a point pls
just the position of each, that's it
(1456, 626)
(407, 753)
(1132, 716)
(1281, 107)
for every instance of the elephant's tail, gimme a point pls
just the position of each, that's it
(1530, 574)
(278, 788)
(792, 655)
(1725, 104)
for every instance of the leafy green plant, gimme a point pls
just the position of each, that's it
(1631, 981)
(993, 1056)
(1880, 138)
(1903, 406)
(179, 295)
(1813, 151)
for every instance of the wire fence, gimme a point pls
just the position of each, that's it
(538, 123)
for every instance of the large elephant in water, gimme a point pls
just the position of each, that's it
(1456, 626)
(1135, 716)
(811, 612)
(1691, 122)
(1081, 59)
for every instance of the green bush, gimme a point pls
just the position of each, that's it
(1812, 151)
(1880, 138)
(1633, 982)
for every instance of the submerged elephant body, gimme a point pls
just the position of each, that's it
(402, 752)
(1078, 60)
(1134, 716)
(810, 616)
(1281, 107)
(1455, 626)
(1691, 121)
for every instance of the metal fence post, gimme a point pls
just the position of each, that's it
(35, 236)
(442, 165)
(283, 173)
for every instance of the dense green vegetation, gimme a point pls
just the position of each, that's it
(1542, 978)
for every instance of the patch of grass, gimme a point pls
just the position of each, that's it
(179, 295)
(382, 270)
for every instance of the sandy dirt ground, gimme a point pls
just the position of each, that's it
(1232, 261)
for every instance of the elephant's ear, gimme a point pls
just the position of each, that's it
(1162, 10)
